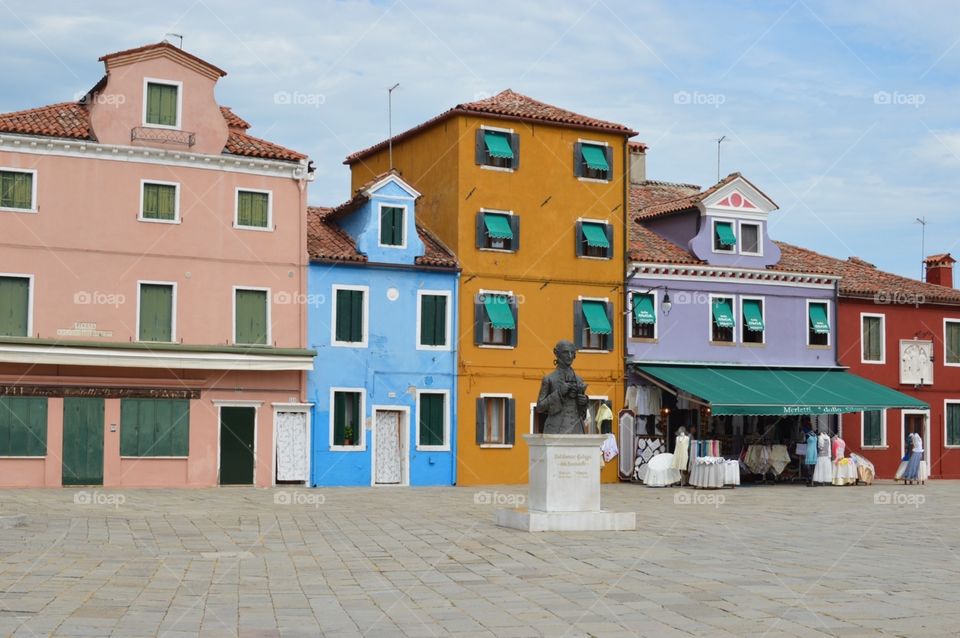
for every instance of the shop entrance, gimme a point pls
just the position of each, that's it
(915, 422)
(82, 441)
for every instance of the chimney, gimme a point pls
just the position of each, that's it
(638, 162)
(940, 269)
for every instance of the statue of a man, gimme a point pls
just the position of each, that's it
(563, 394)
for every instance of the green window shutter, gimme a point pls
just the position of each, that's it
(433, 320)
(251, 309)
(953, 342)
(872, 428)
(162, 104)
(391, 226)
(16, 190)
(154, 427)
(872, 346)
(339, 417)
(431, 419)
(156, 312)
(349, 319)
(159, 201)
(14, 306)
(23, 426)
(253, 209)
(953, 424)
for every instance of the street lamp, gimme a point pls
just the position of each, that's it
(665, 303)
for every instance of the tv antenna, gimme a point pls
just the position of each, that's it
(722, 137)
(390, 121)
(923, 246)
(175, 35)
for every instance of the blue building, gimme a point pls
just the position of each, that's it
(382, 318)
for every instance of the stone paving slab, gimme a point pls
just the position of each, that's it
(755, 561)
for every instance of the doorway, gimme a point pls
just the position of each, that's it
(389, 449)
(238, 427)
(916, 421)
(292, 447)
(82, 441)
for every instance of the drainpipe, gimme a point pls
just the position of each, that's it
(626, 264)
(455, 323)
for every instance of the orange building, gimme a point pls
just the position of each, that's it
(532, 199)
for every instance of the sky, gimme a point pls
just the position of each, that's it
(844, 113)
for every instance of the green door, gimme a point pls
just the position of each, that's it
(82, 441)
(236, 445)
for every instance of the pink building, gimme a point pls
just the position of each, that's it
(152, 271)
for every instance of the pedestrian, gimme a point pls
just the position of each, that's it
(914, 471)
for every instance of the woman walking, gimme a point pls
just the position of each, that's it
(915, 470)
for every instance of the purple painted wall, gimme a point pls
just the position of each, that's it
(684, 334)
(702, 245)
(679, 229)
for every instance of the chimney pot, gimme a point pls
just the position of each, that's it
(638, 162)
(939, 269)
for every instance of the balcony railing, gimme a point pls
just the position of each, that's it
(162, 135)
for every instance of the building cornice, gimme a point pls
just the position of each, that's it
(726, 274)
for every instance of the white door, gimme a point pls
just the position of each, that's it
(291, 428)
(389, 447)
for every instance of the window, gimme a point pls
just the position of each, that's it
(592, 326)
(872, 338)
(495, 319)
(154, 427)
(14, 306)
(952, 419)
(951, 342)
(17, 190)
(431, 420)
(347, 415)
(750, 239)
(643, 324)
(498, 148)
(496, 420)
(498, 231)
(752, 313)
(593, 161)
(594, 239)
(253, 210)
(818, 323)
(155, 312)
(874, 428)
(162, 104)
(722, 322)
(349, 316)
(251, 316)
(433, 319)
(23, 426)
(159, 201)
(391, 226)
(724, 239)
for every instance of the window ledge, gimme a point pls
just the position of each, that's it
(157, 221)
(5, 209)
(349, 344)
(643, 340)
(14, 456)
(166, 127)
(723, 343)
(593, 180)
(746, 254)
(163, 458)
(262, 229)
(492, 346)
(953, 365)
(429, 448)
(496, 250)
(752, 345)
(426, 348)
(813, 346)
(595, 258)
(348, 448)
(592, 351)
(499, 169)
(873, 363)
(496, 446)
(875, 447)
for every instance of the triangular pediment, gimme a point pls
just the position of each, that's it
(741, 197)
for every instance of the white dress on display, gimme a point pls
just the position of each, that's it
(823, 470)
(681, 452)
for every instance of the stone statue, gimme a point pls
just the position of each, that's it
(563, 395)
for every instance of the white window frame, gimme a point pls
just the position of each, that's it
(883, 338)
(947, 320)
(447, 319)
(498, 395)
(173, 309)
(366, 316)
(516, 321)
(176, 202)
(595, 180)
(734, 308)
(603, 222)
(495, 211)
(33, 191)
(147, 81)
(946, 403)
(446, 421)
(406, 210)
(883, 431)
(362, 421)
(763, 315)
(236, 209)
(30, 291)
(807, 323)
(233, 327)
(713, 234)
(502, 169)
(740, 224)
(655, 293)
(606, 302)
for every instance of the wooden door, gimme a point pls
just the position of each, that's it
(82, 441)
(237, 425)
(389, 448)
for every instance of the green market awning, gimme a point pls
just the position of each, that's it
(725, 234)
(595, 234)
(499, 311)
(498, 226)
(753, 315)
(818, 319)
(773, 391)
(723, 313)
(643, 312)
(595, 157)
(595, 313)
(498, 144)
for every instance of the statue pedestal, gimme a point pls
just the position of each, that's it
(564, 488)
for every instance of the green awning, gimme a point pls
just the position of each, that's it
(725, 234)
(743, 390)
(498, 144)
(643, 312)
(723, 313)
(498, 226)
(595, 234)
(818, 319)
(595, 157)
(753, 315)
(499, 311)
(596, 315)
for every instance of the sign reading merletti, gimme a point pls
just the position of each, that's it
(83, 329)
(98, 393)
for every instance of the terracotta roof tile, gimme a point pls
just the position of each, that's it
(163, 44)
(683, 202)
(942, 258)
(242, 144)
(435, 253)
(234, 120)
(651, 193)
(326, 241)
(510, 105)
(648, 246)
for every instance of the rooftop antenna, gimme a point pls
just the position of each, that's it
(923, 246)
(176, 35)
(722, 137)
(390, 120)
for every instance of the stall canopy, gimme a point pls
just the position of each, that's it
(745, 390)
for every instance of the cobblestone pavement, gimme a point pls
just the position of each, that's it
(755, 561)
